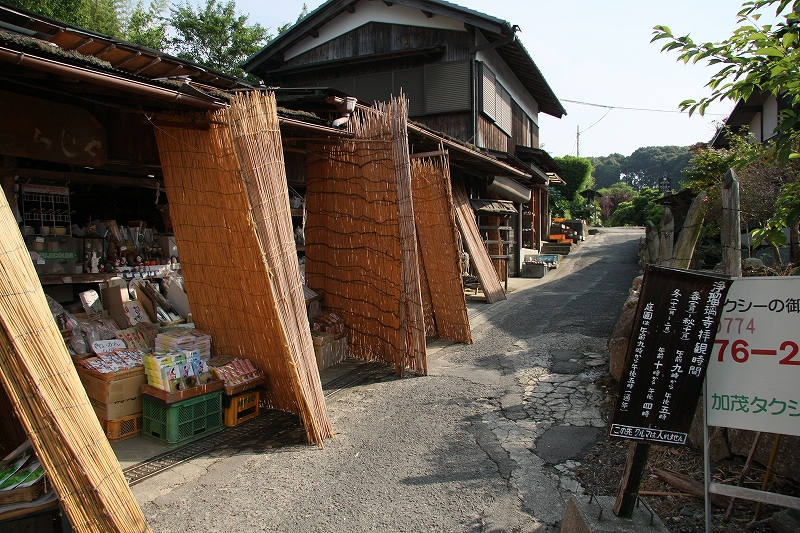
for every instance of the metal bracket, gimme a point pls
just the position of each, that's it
(649, 510)
(593, 496)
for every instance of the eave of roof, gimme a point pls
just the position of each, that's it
(98, 50)
(513, 53)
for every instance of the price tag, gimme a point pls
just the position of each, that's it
(108, 345)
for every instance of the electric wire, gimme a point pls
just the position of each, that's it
(634, 108)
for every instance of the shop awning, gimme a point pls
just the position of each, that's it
(494, 207)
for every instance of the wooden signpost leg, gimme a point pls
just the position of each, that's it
(631, 479)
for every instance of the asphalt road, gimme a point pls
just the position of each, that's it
(483, 443)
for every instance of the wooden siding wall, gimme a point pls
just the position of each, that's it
(295, 168)
(492, 137)
(458, 125)
(524, 131)
(130, 136)
(382, 38)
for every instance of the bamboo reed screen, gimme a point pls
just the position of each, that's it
(237, 270)
(40, 379)
(438, 244)
(479, 257)
(361, 240)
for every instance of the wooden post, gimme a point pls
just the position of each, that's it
(631, 479)
(731, 225)
(684, 248)
(666, 238)
(651, 236)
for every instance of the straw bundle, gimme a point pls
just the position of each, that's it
(257, 137)
(357, 254)
(465, 217)
(229, 275)
(38, 375)
(438, 243)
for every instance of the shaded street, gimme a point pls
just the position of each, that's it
(483, 443)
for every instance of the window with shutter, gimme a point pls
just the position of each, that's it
(412, 84)
(447, 87)
(374, 88)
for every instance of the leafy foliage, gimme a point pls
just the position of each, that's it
(607, 169)
(639, 210)
(648, 165)
(577, 173)
(754, 59)
(215, 35)
(147, 26)
(612, 197)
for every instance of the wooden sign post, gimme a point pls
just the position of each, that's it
(673, 336)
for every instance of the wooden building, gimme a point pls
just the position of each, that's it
(466, 75)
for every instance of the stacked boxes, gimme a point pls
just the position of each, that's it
(176, 370)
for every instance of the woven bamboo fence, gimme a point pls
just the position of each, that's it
(40, 379)
(360, 245)
(242, 282)
(479, 257)
(439, 253)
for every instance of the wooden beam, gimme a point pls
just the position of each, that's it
(350, 8)
(731, 225)
(631, 479)
(428, 154)
(313, 32)
(26, 174)
(427, 14)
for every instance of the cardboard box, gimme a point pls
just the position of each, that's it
(113, 300)
(331, 353)
(168, 247)
(321, 338)
(114, 399)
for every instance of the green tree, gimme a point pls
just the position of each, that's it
(102, 16)
(577, 173)
(215, 35)
(612, 197)
(648, 165)
(607, 169)
(639, 210)
(754, 59)
(147, 26)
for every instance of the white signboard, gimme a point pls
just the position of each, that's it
(754, 372)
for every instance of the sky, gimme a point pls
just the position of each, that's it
(599, 52)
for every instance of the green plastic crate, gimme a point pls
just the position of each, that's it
(181, 422)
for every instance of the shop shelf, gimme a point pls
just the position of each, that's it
(181, 422)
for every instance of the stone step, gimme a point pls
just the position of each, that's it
(553, 248)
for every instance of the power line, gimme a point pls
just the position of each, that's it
(634, 108)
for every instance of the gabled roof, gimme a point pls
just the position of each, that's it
(512, 51)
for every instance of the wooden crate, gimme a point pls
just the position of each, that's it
(122, 428)
(240, 408)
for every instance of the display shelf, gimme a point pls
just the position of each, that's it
(46, 206)
(61, 279)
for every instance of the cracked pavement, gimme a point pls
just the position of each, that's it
(484, 443)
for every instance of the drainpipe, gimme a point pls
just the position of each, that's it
(110, 80)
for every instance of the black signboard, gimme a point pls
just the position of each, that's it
(672, 340)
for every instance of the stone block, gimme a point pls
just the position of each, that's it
(617, 349)
(787, 463)
(584, 517)
(717, 436)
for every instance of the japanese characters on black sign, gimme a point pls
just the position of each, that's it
(668, 353)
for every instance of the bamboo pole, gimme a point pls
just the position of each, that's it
(40, 379)
(687, 239)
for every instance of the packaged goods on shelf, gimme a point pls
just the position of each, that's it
(184, 339)
(176, 370)
(327, 322)
(115, 361)
(237, 374)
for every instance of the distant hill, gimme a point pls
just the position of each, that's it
(643, 168)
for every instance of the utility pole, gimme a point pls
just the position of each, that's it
(578, 141)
